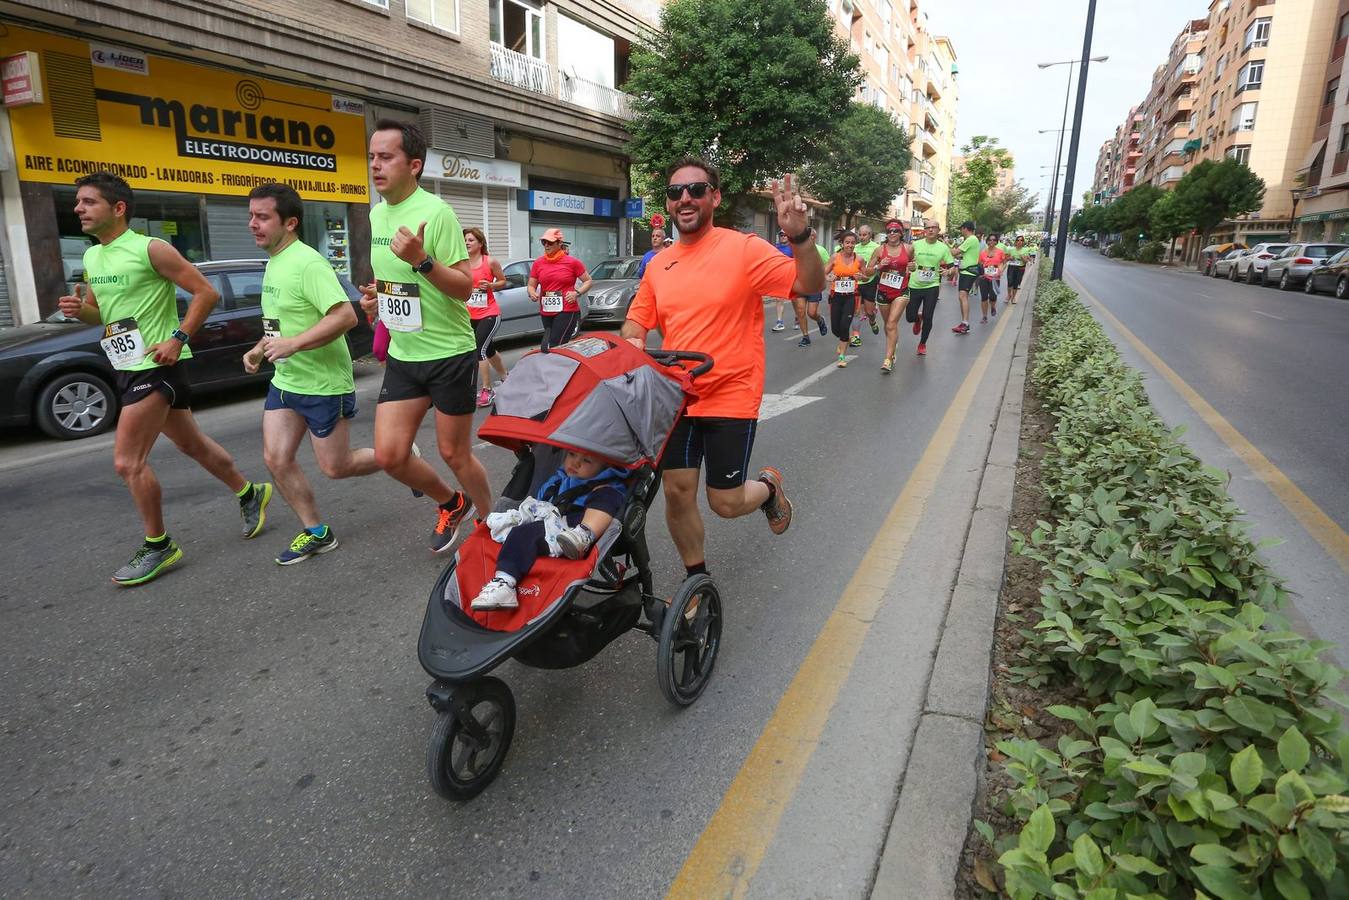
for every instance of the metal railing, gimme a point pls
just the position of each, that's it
(593, 95)
(520, 70)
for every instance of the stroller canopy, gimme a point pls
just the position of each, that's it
(597, 394)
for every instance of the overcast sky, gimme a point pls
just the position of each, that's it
(1003, 94)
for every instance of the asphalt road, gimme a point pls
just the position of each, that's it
(240, 729)
(1272, 364)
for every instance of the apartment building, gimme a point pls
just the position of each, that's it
(195, 103)
(1104, 175)
(1324, 195)
(1169, 140)
(1005, 178)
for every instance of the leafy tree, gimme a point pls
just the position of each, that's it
(1214, 191)
(1169, 219)
(1129, 214)
(973, 181)
(745, 83)
(866, 163)
(1004, 210)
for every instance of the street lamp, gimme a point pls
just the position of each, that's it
(1058, 149)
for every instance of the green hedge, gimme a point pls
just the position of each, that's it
(1205, 760)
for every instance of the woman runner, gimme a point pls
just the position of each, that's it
(891, 263)
(844, 271)
(1016, 267)
(930, 256)
(990, 264)
(553, 285)
(483, 310)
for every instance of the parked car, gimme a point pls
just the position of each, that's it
(519, 314)
(54, 373)
(1331, 275)
(1250, 266)
(615, 285)
(1224, 265)
(1291, 267)
(1210, 255)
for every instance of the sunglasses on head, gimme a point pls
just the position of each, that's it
(697, 190)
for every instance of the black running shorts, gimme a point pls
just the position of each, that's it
(450, 383)
(170, 381)
(1014, 276)
(967, 280)
(723, 444)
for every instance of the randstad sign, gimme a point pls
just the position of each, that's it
(173, 126)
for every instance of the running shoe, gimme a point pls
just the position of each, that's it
(842, 361)
(778, 509)
(254, 509)
(796, 326)
(918, 324)
(984, 320)
(146, 564)
(922, 349)
(306, 545)
(875, 329)
(962, 328)
(993, 310)
(824, 329)
(417, 452)
(496, 594)
(779, 326)
(804, 342)
(485, 397)
(855, 341)
(888, 365)
(450, 516)
(575, 542)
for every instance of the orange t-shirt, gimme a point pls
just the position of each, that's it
(708, 297)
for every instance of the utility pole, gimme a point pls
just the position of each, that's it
(1061, 247)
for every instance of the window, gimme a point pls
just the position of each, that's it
(1257, 35)
(442, 14)
(1241, 153)
(1251, 76)
(1344, 138)
(1212, 104)
(1331, 87)
(382, 4)
(1343, 31)
(245, 289)
(1243, 117)
(516, 26)
(1222, 65)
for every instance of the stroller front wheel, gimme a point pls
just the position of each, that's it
(690, 637)
(470, 739)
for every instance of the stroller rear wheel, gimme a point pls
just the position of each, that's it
(470, 739)
(690, 637)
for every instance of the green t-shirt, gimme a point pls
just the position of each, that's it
(969, 253)
(864, 252)
(824, 255)
(929, 255)
(298, 289)
(424, 324)
(126, 286)
(1018, 255)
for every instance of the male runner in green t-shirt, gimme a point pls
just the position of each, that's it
(930, 257)
(968, 253)
(866, 246)
(305, 317)
(130, 291)
(421, 283)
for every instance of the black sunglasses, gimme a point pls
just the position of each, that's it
(697, 190)
(894, 231)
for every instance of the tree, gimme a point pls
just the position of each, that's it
(1214, 191)
(1169, 219)
(866, 163)
(1129, 214)
(973, 181)
(1002, 211)
(744, 83)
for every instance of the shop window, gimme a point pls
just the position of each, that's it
(174, 217)
(442, 14)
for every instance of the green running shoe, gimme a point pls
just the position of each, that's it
(254, 510)
(306, 545)
(147, 564)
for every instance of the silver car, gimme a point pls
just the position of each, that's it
(1250, 266)
(519, 314)
(614, 287)
(1225, 265)
(1291, 267)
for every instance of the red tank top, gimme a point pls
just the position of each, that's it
(900, 264)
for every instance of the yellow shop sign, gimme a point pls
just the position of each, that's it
(167, 125)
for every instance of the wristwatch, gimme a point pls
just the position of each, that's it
(800, 238)
(425, 266)
(179, 335)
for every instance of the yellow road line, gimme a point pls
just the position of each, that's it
(1320, 526)
(727, 854)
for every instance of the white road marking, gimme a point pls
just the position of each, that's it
(774, 405)
(1267, 315)
(814, 377)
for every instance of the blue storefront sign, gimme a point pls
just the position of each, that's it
(571, 204)
(634, 208)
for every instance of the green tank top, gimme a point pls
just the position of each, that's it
(126, 286)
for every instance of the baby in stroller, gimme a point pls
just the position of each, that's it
(567, 513)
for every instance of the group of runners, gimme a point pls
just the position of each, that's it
(432, 292)
(900, 277)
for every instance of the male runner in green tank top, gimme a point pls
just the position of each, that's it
(305, 317)
(130, 292)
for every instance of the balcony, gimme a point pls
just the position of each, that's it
(926, 188)
(591, 95)
(520, 70)
(927, 142)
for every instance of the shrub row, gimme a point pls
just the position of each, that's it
(1205, 758)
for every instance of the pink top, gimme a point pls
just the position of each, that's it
(994, 257)
(478, 309)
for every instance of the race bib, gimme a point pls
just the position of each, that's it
(892, 280)
(926, 274)
(1017, 262)
(400, 305)
(844, 285)
(271, 328)
(991, 272)
(478, 300)
(551, 303)
(123, 344)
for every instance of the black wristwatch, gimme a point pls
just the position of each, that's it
(179, 335)
(800, 238)
(425, 266)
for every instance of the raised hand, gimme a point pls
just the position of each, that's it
(792, 212)
(70, 305)
(409, 247)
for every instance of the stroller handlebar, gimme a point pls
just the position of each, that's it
(670, 357)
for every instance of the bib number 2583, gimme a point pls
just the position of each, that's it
(400, 305)
(552, 303)
(123, 344)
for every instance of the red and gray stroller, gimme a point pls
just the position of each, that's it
(601, 396)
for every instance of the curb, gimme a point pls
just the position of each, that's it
(926, 838)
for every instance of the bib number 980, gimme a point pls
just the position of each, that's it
(400, 306)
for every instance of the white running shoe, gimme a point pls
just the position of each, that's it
(779, 325)
(496, 594)
(575, 542)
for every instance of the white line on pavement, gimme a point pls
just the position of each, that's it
(1267, 315)
(814, 377)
